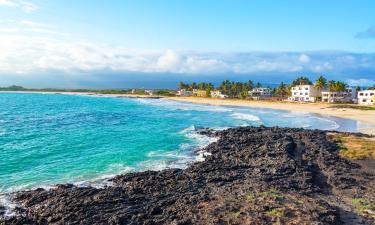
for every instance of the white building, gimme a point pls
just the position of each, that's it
(366, 97)
(305, 93)
(184, 92)
(217, 94)
(260, 92)
(149, 92)
(347, 96)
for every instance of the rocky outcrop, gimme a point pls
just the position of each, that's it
(253, 176)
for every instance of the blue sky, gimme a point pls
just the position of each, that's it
(90, 41)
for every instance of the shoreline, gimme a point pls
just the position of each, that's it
(362, 116)
(366, 117)
(248, 185)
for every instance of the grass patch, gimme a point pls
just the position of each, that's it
(236, 214)
(250, 197)
(362, 206)
(353, 147)
(277, 212)
(359, 107)
(272, 193)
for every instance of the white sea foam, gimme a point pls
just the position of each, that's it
(183, 105)
(333, 125)
(182, 158)
(292, 114)
(2, 132)
(245, 116)
(8, 205)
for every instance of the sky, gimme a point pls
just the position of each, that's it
(144, 43)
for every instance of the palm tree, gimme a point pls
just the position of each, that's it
(332, 85)
(337, 86)
(282, 90)
(182, 85)
(301, 81)
(249, 85)
(193, 86)
(341, 86)
(258, 85)
(321, 83)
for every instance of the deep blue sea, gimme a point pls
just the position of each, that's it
(47, 139)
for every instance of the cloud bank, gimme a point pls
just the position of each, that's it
(24, 55)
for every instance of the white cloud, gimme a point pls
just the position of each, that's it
(30, 23)
(170, 60)
(361, 82)
(8, 3)
(26, 6)
(303, 58)
(27, 26)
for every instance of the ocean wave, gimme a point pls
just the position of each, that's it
(9, 206)
(245, 116)
(292, 114)
(183, 105)
(332, 125)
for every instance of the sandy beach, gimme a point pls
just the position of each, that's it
(366, 117)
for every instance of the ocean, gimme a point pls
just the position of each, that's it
(46, 139)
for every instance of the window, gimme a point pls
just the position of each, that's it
(371, 94)
(360, 94)
(306, 93)
(364, 100)
(306, 89)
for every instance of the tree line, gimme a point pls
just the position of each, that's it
(241, 89)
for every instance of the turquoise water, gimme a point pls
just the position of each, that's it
(48, 138)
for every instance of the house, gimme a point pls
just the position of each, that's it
(366, 97)
(149, 92)
(217, 94)
(200, 93)
(184, 93)
(347, 96)
(260, 92)
(305, 93)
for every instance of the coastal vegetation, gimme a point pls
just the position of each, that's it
(354, 147)
(348, 106)
(241, 90)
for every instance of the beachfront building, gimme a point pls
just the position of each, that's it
(305, 93)
(262, 92)
(184, 93)
(347, 96)
(217, 94)
(149, 92)
(200, 93)
(366, 97)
